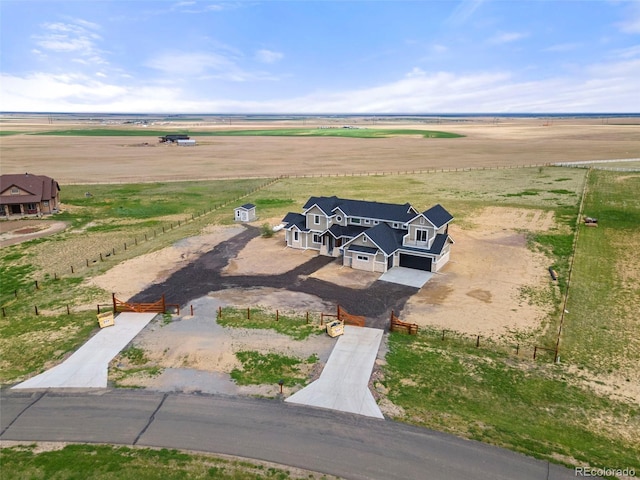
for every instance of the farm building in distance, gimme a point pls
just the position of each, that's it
(372, 236)
(245, 213)
(173, 138)
(27, 194)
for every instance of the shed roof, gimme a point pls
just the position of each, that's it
(246, 206)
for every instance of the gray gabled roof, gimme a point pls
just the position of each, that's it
(349, 231)
(385, 237)
(293, 219)
(326, 204)
(247, 206)
(361, 208)
(361, 249)
(438, 215)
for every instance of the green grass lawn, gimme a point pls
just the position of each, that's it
(281, 132)
(103, 462)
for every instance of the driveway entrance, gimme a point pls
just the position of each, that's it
(344, 383)
(88, 366)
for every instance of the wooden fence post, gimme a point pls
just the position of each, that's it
(36, 283)
(277, 316)
(517, 349)
(71, 270)
(4, 314)
(68, 311)
(192, 310)
(87, 260)
(478, 341)
(443, 335)
(307, 317)
(220, 312)
(535, 350)
(248, 314)
(36, 309)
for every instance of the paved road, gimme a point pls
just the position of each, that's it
(341, 444)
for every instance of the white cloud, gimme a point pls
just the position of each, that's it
(507, 37)
(268, 56)
(76, 37)
(603, 87)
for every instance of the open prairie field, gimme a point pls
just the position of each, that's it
(485, 142)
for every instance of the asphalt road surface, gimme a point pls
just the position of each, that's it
(341, 444)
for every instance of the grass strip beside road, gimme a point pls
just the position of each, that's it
(537, 409)
(271, 368)
(102, 462)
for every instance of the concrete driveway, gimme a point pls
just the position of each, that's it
(344, 383)
(88, 366)
(406, 276)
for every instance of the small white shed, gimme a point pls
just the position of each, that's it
(245, 213)
(186, 143)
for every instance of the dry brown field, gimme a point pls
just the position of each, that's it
(487, 142)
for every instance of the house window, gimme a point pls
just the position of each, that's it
(355, 220)
(367, 221)
(364, 239)
(376, 222)
(316, 219)
(15, 191)
(421, 235)
(363, 258)
(421, 220)
(316, 238)
(46, 203)
(338, 218)
(295, 236)
(395, 225)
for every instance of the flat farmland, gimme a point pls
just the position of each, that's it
(131, 159)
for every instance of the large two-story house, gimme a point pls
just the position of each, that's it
(372, 236)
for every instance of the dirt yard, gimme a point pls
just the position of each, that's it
(486, 143)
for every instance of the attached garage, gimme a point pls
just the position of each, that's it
(414, 261)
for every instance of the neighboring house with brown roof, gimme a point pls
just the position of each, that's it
(27, 194)
(372, 236)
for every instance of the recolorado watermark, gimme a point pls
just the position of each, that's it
(604, 472)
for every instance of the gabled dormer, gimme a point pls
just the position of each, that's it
(424, 227)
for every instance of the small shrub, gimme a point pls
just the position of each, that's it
(267, 231)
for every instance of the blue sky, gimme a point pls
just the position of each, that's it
(421, 56)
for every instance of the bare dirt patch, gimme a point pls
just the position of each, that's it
(132, 276)
(197, 354)
(13, 232)
(267, 256)
(479, 291)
